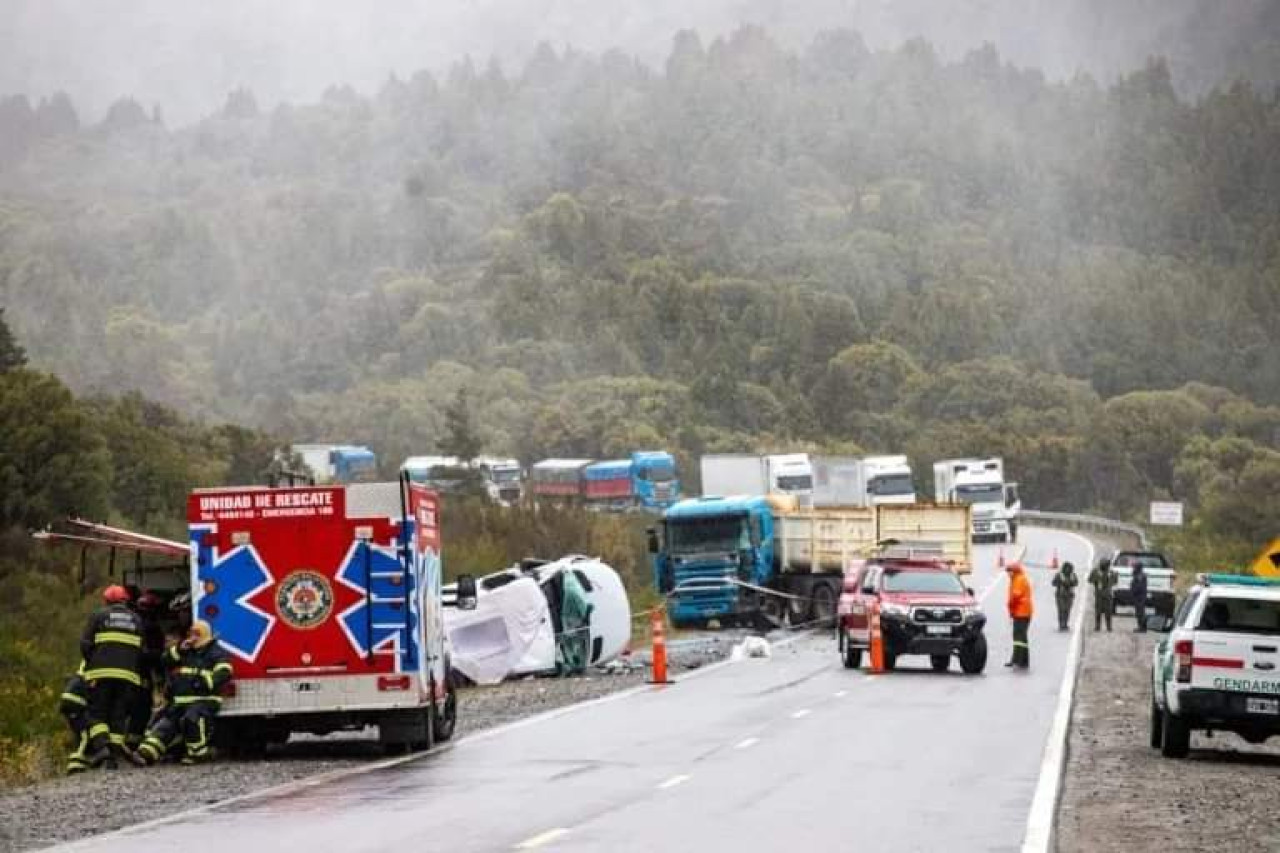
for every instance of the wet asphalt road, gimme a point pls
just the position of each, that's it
(794, 752)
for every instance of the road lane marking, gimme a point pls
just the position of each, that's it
(747, 743)
(673, 781)
(542, 839)
(1044, 804)
(840, 694)
(801, 714)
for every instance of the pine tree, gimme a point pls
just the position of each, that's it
(12, 356)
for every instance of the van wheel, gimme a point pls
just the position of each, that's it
(852, 657)
(447, 720)
(973, 655)
(940, 663)
(1157, 725)
(1175, 741)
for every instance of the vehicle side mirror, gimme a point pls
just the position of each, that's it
(467, 597)
(652, 536)
(1159, 623)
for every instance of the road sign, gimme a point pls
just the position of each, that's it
(1167, 513)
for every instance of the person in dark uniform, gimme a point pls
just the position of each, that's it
(1103, 581)
(111, 646)
(151, 668)
(1138, 589)
(1064, 593)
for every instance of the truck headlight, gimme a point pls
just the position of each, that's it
(891, 609)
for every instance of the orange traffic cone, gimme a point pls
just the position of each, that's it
(877, 640)
(659, 659)
(1053, 564)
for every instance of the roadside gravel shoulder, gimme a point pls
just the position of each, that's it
(62, 810)
(1120, 795)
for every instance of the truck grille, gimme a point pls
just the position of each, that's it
(937, 615)
(509, 494)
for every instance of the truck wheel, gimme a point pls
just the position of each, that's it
(940, 663)
(824, 604)
(852, 657)
(447, 720)
(1175, 741)
(1157, 725)
(973, 656)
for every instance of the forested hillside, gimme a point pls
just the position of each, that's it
(754, 248)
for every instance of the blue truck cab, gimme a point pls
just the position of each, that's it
(354, 465)
(706, 542)
(653, 479)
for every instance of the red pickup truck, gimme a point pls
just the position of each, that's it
(925, 609)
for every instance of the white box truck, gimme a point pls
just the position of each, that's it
(749, 474)
(980, 483)
(866, 481)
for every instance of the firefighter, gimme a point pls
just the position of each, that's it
(112, 650)
(151, 669)
(198, 670)
(73, 705)
(1103, 581)
(1020, 608)
(1064, 593)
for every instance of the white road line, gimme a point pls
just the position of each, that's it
(1044, 805)
(801, 714)
(542, 839)
(673, 781)
(840, 694)
(746, 743)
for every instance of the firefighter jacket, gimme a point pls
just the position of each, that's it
(74, 701)
(111, 645)
(197, 674)
(1020, 606)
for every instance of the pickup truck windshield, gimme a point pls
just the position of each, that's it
(988, 493)
(892, 484)
(905, 581)
(1241, 616)
(706, 535)
(1148, 561)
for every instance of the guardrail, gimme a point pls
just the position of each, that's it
(1129, 534)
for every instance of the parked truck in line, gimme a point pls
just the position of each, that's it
(862, 481)
(722, 558)
(338, 463)
(502, 479)
(329, 601)
(980, 483)
(645, 480)
(751, 474)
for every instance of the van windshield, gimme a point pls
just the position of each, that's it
(1241, 615)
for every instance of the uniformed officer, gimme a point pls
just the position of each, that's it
(1103, 581)
(1064, 593)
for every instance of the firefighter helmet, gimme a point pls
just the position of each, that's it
(200, 634)
(115, 594)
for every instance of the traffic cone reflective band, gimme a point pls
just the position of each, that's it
(659, 657)
(877, 639)
(1054, 563)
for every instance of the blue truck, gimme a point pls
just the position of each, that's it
(645, 480)
(722, 558)
(339, 463)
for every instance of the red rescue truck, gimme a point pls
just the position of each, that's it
(328, 599)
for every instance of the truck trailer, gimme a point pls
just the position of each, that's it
(751, 474)
(329, 601)
(722, 558)
(339, 463)
(862, 481)
(645, 480)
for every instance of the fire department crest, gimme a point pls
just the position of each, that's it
(304, 599)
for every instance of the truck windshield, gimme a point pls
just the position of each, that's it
(705, 535)
(505, 475)
(362, 471)
(922, 582)
(1241, 615)
(986, 493)
(661, 474)
(795, 483)
(892, 484)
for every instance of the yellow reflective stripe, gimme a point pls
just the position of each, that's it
(191, 700)
(208, 679)
(116, 739)
(118, 637)
(98, 729)
(222, 666)
(74, 699)
(190, 670)
(107, 672)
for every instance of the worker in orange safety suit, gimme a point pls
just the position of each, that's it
(1020, 608)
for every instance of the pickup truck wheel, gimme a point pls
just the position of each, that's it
(973, 656)
(1175, 741)
(852, 657)
(1157, 725)
(940, 663)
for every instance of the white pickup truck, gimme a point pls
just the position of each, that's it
(1160, 577)
(1219, 667)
